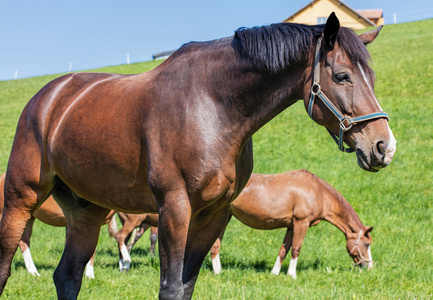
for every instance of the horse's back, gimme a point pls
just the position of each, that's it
(82, 128)
(274, 200)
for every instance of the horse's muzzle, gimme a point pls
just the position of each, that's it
(379, 156)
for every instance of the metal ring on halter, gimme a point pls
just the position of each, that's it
(316, 85)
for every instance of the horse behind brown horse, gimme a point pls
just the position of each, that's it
(51, 214)
(297, 200)
(182, 133)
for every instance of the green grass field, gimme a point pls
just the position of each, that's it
(397, 201)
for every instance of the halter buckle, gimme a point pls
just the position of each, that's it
(345, 127)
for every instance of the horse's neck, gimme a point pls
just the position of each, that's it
(342, 215)
(250, 97)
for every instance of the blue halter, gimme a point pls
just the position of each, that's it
(345, 122)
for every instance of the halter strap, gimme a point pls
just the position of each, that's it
(363, 259)
(345, 122)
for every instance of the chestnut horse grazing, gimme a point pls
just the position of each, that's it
(297, 200)
(49, 213)
(181, 133)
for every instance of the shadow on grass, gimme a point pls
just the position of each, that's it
(137, 255)
(39, 266)
(263, 265)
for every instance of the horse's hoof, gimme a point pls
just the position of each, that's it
(124, 265)
(35, 274)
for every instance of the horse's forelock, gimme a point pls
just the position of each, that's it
(355, 49)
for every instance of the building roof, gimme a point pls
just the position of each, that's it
(340, 2)
(371, 13)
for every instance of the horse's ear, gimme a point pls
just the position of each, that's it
(370, 36)
(368, 229)
(331, 30)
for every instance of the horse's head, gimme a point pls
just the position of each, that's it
(341, 96)
(358, 247)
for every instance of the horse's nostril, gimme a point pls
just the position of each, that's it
(381, 147)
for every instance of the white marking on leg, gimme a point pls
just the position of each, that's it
(216, 264)
(292, 268)
(125, 261)
(90, 272)
(277, 267)
(370, 257)
(28, 261)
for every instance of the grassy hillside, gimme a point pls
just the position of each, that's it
(397, 201)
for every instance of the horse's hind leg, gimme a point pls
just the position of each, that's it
(25, 248)
(285, 247)
(299, 230)
(25, 189)
(84, 224)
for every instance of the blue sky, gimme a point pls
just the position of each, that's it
(46, 37)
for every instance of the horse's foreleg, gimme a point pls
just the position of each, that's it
(285, 247)
(201, 236)
(25, 248)
(215, 250)
(84, 224)
(174, 219)
(299, 231)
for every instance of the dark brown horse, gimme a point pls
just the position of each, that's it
(181, 133)
(297, 200)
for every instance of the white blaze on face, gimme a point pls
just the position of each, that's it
(392, 143)
(370, 258)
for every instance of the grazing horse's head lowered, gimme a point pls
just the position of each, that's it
(343, 84)
(359, 248)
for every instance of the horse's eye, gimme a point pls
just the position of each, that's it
(342, 77)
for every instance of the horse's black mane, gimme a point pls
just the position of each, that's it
(276, 46)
